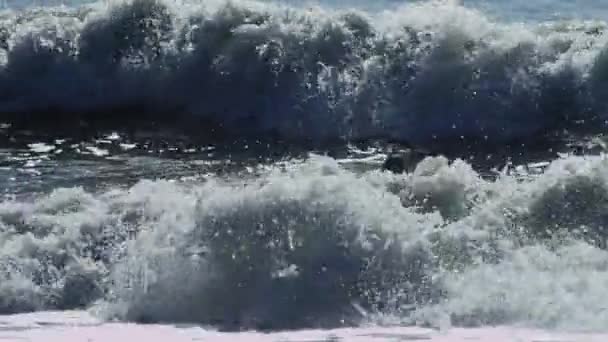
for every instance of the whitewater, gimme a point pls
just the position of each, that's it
(212, 170)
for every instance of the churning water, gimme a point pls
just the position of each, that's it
(274, 232)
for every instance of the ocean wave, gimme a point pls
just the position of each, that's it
(315, 245)
(424, 72)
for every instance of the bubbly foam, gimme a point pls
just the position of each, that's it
(315, 244)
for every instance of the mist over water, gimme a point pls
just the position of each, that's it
(275, 236)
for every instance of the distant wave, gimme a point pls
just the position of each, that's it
(425, 72)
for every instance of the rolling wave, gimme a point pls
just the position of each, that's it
(426, 72)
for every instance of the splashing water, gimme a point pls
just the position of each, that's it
(187, 234)
(316, 245)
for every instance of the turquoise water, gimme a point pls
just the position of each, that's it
(519, 10)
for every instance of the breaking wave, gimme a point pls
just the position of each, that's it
(315, 245)
(424, 72)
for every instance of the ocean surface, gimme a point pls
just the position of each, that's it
(208, 169)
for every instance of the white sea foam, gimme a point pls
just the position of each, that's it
(438, 245)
